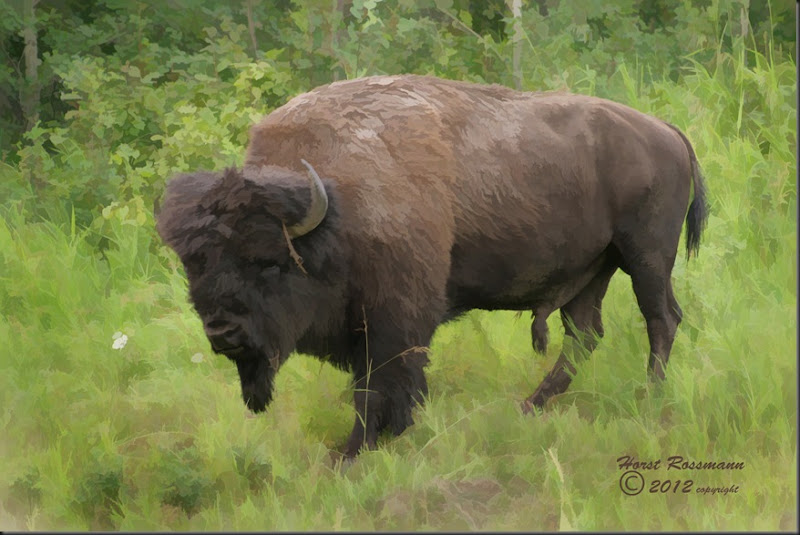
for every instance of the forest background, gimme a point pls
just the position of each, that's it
(117, 415)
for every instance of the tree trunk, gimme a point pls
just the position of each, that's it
(29, 89)
(516, 12)
(251, 28)
(336, 35)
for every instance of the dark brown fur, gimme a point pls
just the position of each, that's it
(444, 196)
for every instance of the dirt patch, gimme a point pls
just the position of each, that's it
(788, 521)
(172, 515)
(442, 504)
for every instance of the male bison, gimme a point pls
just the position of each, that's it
(438, 197)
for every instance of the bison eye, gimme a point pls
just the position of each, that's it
(271, 271)
(267, 269)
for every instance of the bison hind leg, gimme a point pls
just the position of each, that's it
(540, 334)
(653, 289)
(583, 327)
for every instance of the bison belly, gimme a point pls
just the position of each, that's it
(540, 270)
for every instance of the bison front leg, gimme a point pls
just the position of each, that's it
(385, 393)
(365, 430)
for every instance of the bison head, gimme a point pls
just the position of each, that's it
(232, 231)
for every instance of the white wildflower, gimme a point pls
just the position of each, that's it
(119, 340)
(197, 358)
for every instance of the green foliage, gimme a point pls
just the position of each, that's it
(25, 493)
(253, 468)
(151, 434)
(134, 123)
(97, 496)
(184, 480)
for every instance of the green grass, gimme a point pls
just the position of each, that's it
(144, 438)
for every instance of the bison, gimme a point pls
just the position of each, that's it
(370, 211)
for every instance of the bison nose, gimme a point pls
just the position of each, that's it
(227, 342)
(224, 336)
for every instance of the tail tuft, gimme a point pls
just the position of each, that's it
(697, 216)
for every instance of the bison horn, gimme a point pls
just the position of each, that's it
(316, 210)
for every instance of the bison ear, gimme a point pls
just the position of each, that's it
(299, 199)
(178, 212)
(219, 195)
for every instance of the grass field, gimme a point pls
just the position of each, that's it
(153, 435)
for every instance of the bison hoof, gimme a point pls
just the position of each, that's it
(526, 406)
(537, 400)
(529, 406)
(340, 459)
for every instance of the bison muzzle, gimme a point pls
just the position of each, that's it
(436, 197)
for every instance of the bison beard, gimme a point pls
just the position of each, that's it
(256, 377)
(439, 197)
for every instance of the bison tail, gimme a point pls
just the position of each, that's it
(697, 215)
